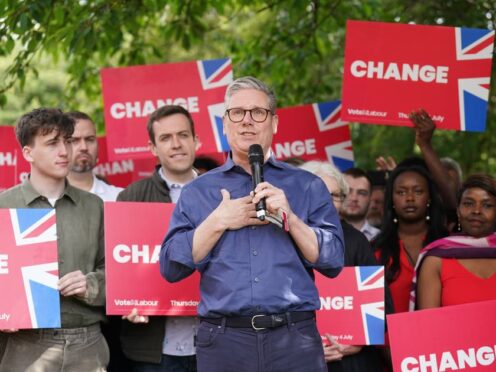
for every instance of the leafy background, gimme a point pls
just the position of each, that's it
(51, 52)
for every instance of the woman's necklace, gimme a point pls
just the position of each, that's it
(409, 256)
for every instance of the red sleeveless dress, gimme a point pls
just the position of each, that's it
(460, 286)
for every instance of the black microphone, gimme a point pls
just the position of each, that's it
(256, 159)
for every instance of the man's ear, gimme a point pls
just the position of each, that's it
(224, 125)
(152, 148)
(275, 123)
(26, 153)
(197, 143)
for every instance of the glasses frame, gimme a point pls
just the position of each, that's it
(338, 197)
(267, 112)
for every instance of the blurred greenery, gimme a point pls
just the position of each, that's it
(51, 52)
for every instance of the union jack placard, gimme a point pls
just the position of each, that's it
(352, 305)
(392, 69)
(132, 93)
(28, 269)
(314, 132)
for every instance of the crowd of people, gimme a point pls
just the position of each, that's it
(418, 217)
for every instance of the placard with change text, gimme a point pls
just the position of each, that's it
(314, 132)
(28, 269)
(352, 305)
(13, 168)
(392, 69)
(133, 236)
(451, 338)
(131, 94)
(122, 172)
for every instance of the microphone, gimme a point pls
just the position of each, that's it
(256, 159)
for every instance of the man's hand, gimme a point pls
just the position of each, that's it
(424, 127)
(385, 164)
(233, 214)
(133, 317)
(275, 199)
(333, 351)
(230, 214)
(73, 284)
(336, 351)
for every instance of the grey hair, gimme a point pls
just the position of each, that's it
(249, 82)
(320, 168)
(452, 164)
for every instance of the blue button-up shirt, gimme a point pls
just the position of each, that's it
(256, 269)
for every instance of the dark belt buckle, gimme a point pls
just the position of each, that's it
(253, 323)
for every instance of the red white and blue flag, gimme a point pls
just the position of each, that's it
(28, 269)
(472, 45)
(314, 132)
(131, 94)
(352, 305)
(392, 69)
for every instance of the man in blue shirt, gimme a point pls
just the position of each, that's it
(257, 292)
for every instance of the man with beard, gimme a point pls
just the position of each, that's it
(84, 157)
(356, 205)
(85, 152)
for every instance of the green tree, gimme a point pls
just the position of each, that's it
(295, 45)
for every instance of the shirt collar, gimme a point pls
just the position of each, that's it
(171, 184)
(97, 187)
(30, 194)
(229, 164)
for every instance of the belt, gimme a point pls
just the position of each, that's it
(262, 321)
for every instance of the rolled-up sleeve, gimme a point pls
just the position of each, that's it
(324, 221)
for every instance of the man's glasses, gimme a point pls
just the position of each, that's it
(257, 114)
(338, 197)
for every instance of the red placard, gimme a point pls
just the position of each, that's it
(13, 168)
(314, 132)
(131, 94)
(352, 305)
(122, 172)
(392, 69)
(28, 269)
(460, 337)
(132, 246)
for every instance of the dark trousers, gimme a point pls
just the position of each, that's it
(169, 363)
(294, 347)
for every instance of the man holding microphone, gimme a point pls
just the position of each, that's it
(258, 298)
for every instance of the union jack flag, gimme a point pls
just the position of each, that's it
(371, 278)
(215, 73)
(328, 115)
(320, 127)
(359, 318)
(30, 297)
(473, 93)
(216, 112)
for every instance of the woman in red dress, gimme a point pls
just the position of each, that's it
(462, 268)
(413, 217)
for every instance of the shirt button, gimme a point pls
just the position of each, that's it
(255, 253)
(256, 280)
(253, 227)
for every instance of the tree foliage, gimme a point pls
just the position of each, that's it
(53, 50)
